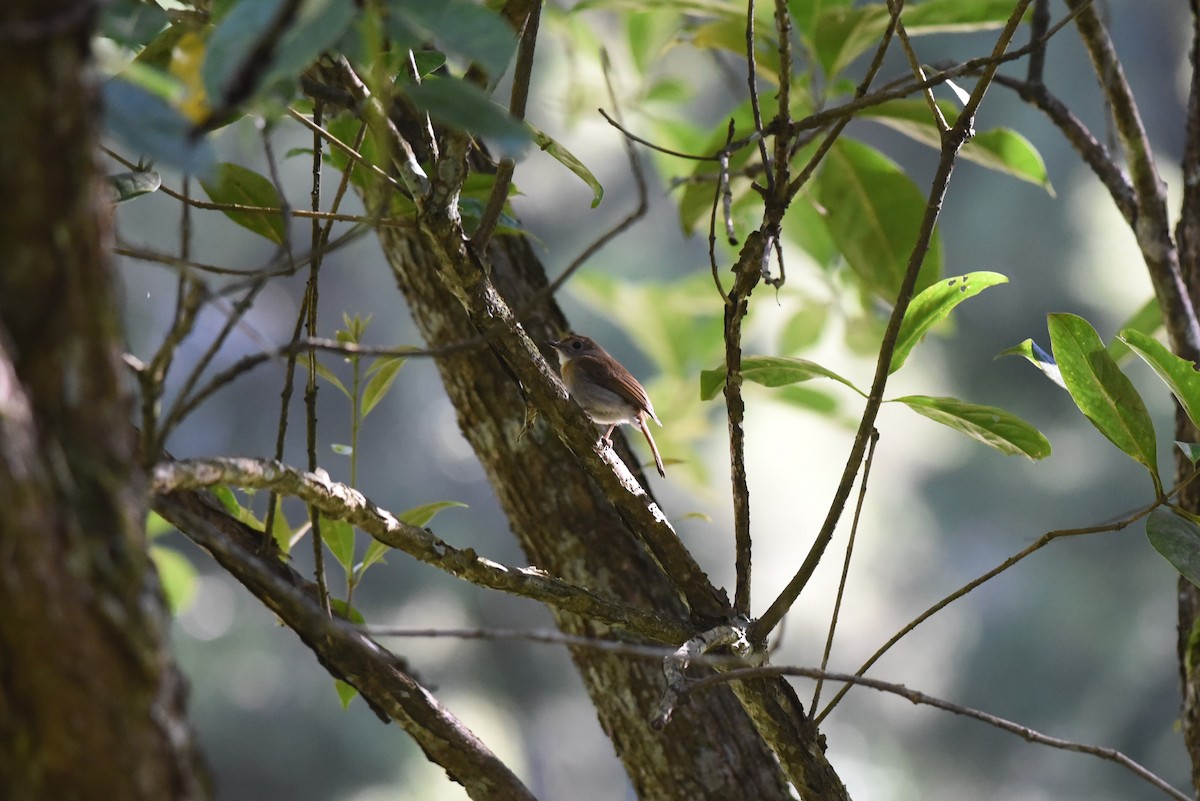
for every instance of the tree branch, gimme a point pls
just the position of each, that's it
(951, 143)
(380, 677)
(1152, 226)
(345, 503)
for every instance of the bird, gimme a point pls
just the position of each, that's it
(604, 389)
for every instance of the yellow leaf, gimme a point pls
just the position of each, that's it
(186, 59)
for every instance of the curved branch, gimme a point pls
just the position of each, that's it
(344, 503)
(1091, 149)
(381, 677)
(1152, 227)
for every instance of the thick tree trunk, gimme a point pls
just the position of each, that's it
(91, 705)
(1187, 240)
(711, 749)
(1187, 235)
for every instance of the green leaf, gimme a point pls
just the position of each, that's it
(231, 43)
(375, 553)
(177, 575)
(467, 29)
(159, 50)
(130, 22)
(338, 536)
(682, 6)
(316, 27)
(648, 34)
(804, 225)
(933, 305)
(1191, 450)
(347, 612)
(1004, 150)
(1000, 149)
(804, 12)
(993, 427)
(696, 198)
(1102, 392)
(1147, 319)
(841, 33)
(1038, 358)
(711, 383)
(154, 129)
(770, 371)
(345, 128)
(728, 33)
(427, 62)
(805, 327)
(955, 16)
(345, 692)
(468, 107)
(156, 525)
(325, 373)
(568, 160)
(804, 397)
(128, 185)
(236, 184)
(385, 371)
(421, 515)
(240, 513)
(873, 211)
(1177, 539)
(281, 530)
(1179, 374)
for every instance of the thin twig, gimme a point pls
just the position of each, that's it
(643, 195)
(647, 143)
(916, 697)
(1090, 149)
(841, 590)
(1038, 24)
(1042, 542)
(189, 299)
(824, 117)
(351, 152)
(914, 64)
(549, 637)
(724, 196)
(752, 81)
(311, 297)
(373, 220)
(951, 143)
(522, 72)
(839, 123)
(234, 315)
(1153, 226)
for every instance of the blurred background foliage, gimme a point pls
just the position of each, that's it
(1078, 641)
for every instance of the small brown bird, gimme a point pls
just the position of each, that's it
(604, 389)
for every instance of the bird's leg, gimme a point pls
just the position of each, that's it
(606, 438)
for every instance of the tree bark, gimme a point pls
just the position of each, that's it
(567, 527)
(91, 704)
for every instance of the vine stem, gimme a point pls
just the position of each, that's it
(952, 142)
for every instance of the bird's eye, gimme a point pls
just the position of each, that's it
(576, 344)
